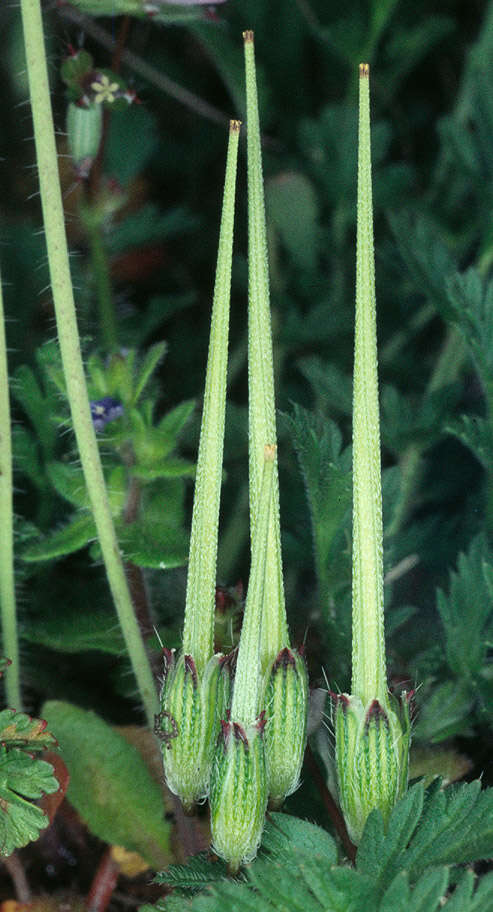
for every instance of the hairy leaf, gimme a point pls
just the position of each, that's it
(69, 538)
(22, 778)
(74, 632)
(17, 729)
(110, 785)
(455, 827)
(477, 434)
(466, 611)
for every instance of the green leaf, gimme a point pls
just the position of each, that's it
(170, 468)
(472, 894)
(36, 405)
(444, 711)
(429, 762)
(477, 434)
(455, 827)
(292, 207)
(74, 632)
(285, 834)
(110, 785)
(466, 611)
(154, 355)
(408, 46)
(17, 729)
(187, 879)
(329, 384)
(50, 364)
(379, 853)
(425, 896)
(172, 424)
(326, 471)
(470, 299)
(22, 778)
(149, 225)
(26, 455)
(135, 131)
(294, 867)
(426, 257)
(153, 544)
(405, 424)
(69, 538)
(68, 481)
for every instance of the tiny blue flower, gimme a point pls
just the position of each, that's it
(105, 410)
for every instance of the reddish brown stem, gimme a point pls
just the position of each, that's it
(19, 879)
(105, 880)
(332, 809)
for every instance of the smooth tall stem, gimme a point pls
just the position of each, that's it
(198, 634)
(68, 336)
(261, 405)
(10, 639)
(369, 674)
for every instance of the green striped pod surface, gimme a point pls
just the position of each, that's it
(238, 792)
(286, 702)
(192, 706)
(372, 750)
(84, 132)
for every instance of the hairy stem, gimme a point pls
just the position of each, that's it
(244, 708)
(369, 673)
(101, 274)
(198, 634)
(261, 405)
(68, 335)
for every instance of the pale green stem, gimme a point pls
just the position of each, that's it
(102, 277)
(56, 243)
(10, 640)
(244, 707)
(198, 634)
(369, 674)
(261, 407)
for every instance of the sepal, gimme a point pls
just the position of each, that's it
(238, 793)
(188, 725)
(286, 705)
(372, 756)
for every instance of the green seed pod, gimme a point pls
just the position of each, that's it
(84, 131)
(372, 750)
(189, 722)
(238, 793)
(286, 704)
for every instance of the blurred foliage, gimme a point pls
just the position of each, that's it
(143, 231)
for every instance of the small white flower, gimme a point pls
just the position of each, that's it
(104, 90)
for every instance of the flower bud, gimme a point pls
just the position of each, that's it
(238, 792)
(372, 750)
(286, 702)
(84, 132)
(189, 722)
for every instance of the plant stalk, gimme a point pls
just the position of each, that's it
(369, 668)
(244, 707)
(68, 336)
(101, 273)
(261, 404)
(198, 633)
(10, 639)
